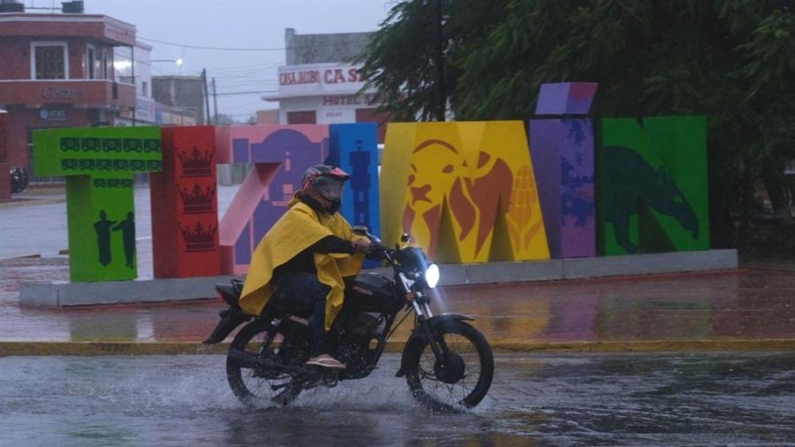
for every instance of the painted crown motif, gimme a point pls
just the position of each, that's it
(195, 163)
(197, 200)
(200, 238)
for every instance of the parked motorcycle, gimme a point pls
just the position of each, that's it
(19, 179)
(446, 361)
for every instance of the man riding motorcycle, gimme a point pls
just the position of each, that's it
(305, 256)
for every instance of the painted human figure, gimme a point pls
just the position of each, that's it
(127, 227)
(102, 227)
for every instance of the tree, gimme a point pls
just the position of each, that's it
(401, 57)
(731, 60)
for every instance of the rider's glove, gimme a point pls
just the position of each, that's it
(360, 245)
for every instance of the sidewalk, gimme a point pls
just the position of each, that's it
(34, 224)
(752, 309)
(749, 309)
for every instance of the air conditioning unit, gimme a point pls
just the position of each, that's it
(75, 7)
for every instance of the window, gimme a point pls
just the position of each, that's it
(49, 61)
(91, 62)
(144, 88)
(104, 63)
(303, 117)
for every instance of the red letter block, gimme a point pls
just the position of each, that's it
(185, 206)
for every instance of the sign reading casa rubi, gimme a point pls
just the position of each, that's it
(303, 80)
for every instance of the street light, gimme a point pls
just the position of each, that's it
(176, 61)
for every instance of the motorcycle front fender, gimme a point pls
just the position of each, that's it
(417, 337)
(230, 319)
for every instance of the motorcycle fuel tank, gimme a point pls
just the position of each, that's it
(371, 292)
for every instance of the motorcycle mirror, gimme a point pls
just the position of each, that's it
(361, 230)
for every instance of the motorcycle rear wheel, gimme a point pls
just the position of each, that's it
(258, 385)
(462, 379)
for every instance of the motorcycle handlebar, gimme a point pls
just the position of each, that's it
(379, 252)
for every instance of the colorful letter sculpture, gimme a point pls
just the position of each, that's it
(280, 155)
(566, 98)
(652, 185)
(185, 205)
(354, 148)
(465, 191)
(563, 157)
(98, 164)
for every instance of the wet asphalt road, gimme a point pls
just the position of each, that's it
(545, 400)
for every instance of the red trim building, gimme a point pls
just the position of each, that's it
(57, 70)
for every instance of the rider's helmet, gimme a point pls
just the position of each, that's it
(321, 187)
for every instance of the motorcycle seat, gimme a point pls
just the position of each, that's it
(283, 302)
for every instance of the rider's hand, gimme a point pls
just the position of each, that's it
(360, 245)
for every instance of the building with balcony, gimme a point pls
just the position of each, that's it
(57, 70)
(133, 66)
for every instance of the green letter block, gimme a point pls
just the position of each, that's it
(98, 164)
(652, 185)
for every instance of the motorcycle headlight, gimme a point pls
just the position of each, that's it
(432, 276)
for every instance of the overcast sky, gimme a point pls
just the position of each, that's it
(240, 76)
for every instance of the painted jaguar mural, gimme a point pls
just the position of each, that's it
(632, 185)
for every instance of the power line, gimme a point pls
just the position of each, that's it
(256, 68)
(199, 47)
(247, 93)
(256, 92)
(245, 106)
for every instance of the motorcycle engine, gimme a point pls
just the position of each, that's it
(362, 325)
(355, 340)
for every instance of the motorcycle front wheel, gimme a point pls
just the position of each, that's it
(461, 378)
(258, 384)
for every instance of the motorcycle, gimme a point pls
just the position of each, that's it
(19, 179)
(447, 363)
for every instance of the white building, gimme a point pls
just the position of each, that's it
(133, 66)
(319, 84)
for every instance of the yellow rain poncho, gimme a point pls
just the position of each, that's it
(297, 230)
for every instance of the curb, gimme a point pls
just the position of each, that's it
(617, 346)
(32, 348)
(29, 202)
(77, 348)
(65, 294)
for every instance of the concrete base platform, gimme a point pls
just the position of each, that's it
(578, 268)
(63, 294)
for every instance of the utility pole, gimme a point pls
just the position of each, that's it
(206, 96)
(135, 83)
(442, 104)
(215, 104)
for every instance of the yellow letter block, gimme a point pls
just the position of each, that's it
(464, 191)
